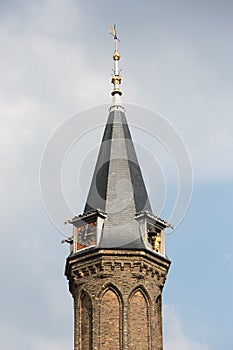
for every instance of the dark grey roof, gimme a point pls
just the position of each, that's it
(116, 147)
(117, 186)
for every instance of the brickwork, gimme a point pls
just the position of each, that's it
(158, 317)
(110, 321)
(138, 322)
(113, 279)
(86, 322)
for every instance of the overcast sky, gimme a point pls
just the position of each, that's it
(56, 61)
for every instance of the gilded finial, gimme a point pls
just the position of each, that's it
(116, 77)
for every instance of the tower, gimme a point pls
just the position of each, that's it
(117, 266)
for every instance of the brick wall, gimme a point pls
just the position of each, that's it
(86, 322)
(110, 321)
(124, 289)
(138, 322)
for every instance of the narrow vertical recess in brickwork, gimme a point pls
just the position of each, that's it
(86, 322)
(110, 326)
(158, 315)
(138, 322)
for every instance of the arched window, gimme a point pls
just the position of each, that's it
(110, 321)
(86, 322)
(138, 322)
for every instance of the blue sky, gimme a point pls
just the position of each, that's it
(56, 60)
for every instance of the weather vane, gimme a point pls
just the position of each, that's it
(113, 32)
(116, 78)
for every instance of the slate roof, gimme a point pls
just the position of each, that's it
(117, 186)
(117, 161)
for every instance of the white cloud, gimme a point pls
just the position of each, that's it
(193, 89)
(175, 337)
(28, 341)
(43, 344)
(51, 66)
(44, 77)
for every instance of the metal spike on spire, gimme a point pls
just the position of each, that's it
(116, 77)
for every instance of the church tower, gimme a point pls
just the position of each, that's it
(117, 266)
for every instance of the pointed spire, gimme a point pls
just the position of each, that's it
(117, 186)
(116, 77)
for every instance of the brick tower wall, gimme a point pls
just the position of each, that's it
(117, 300)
